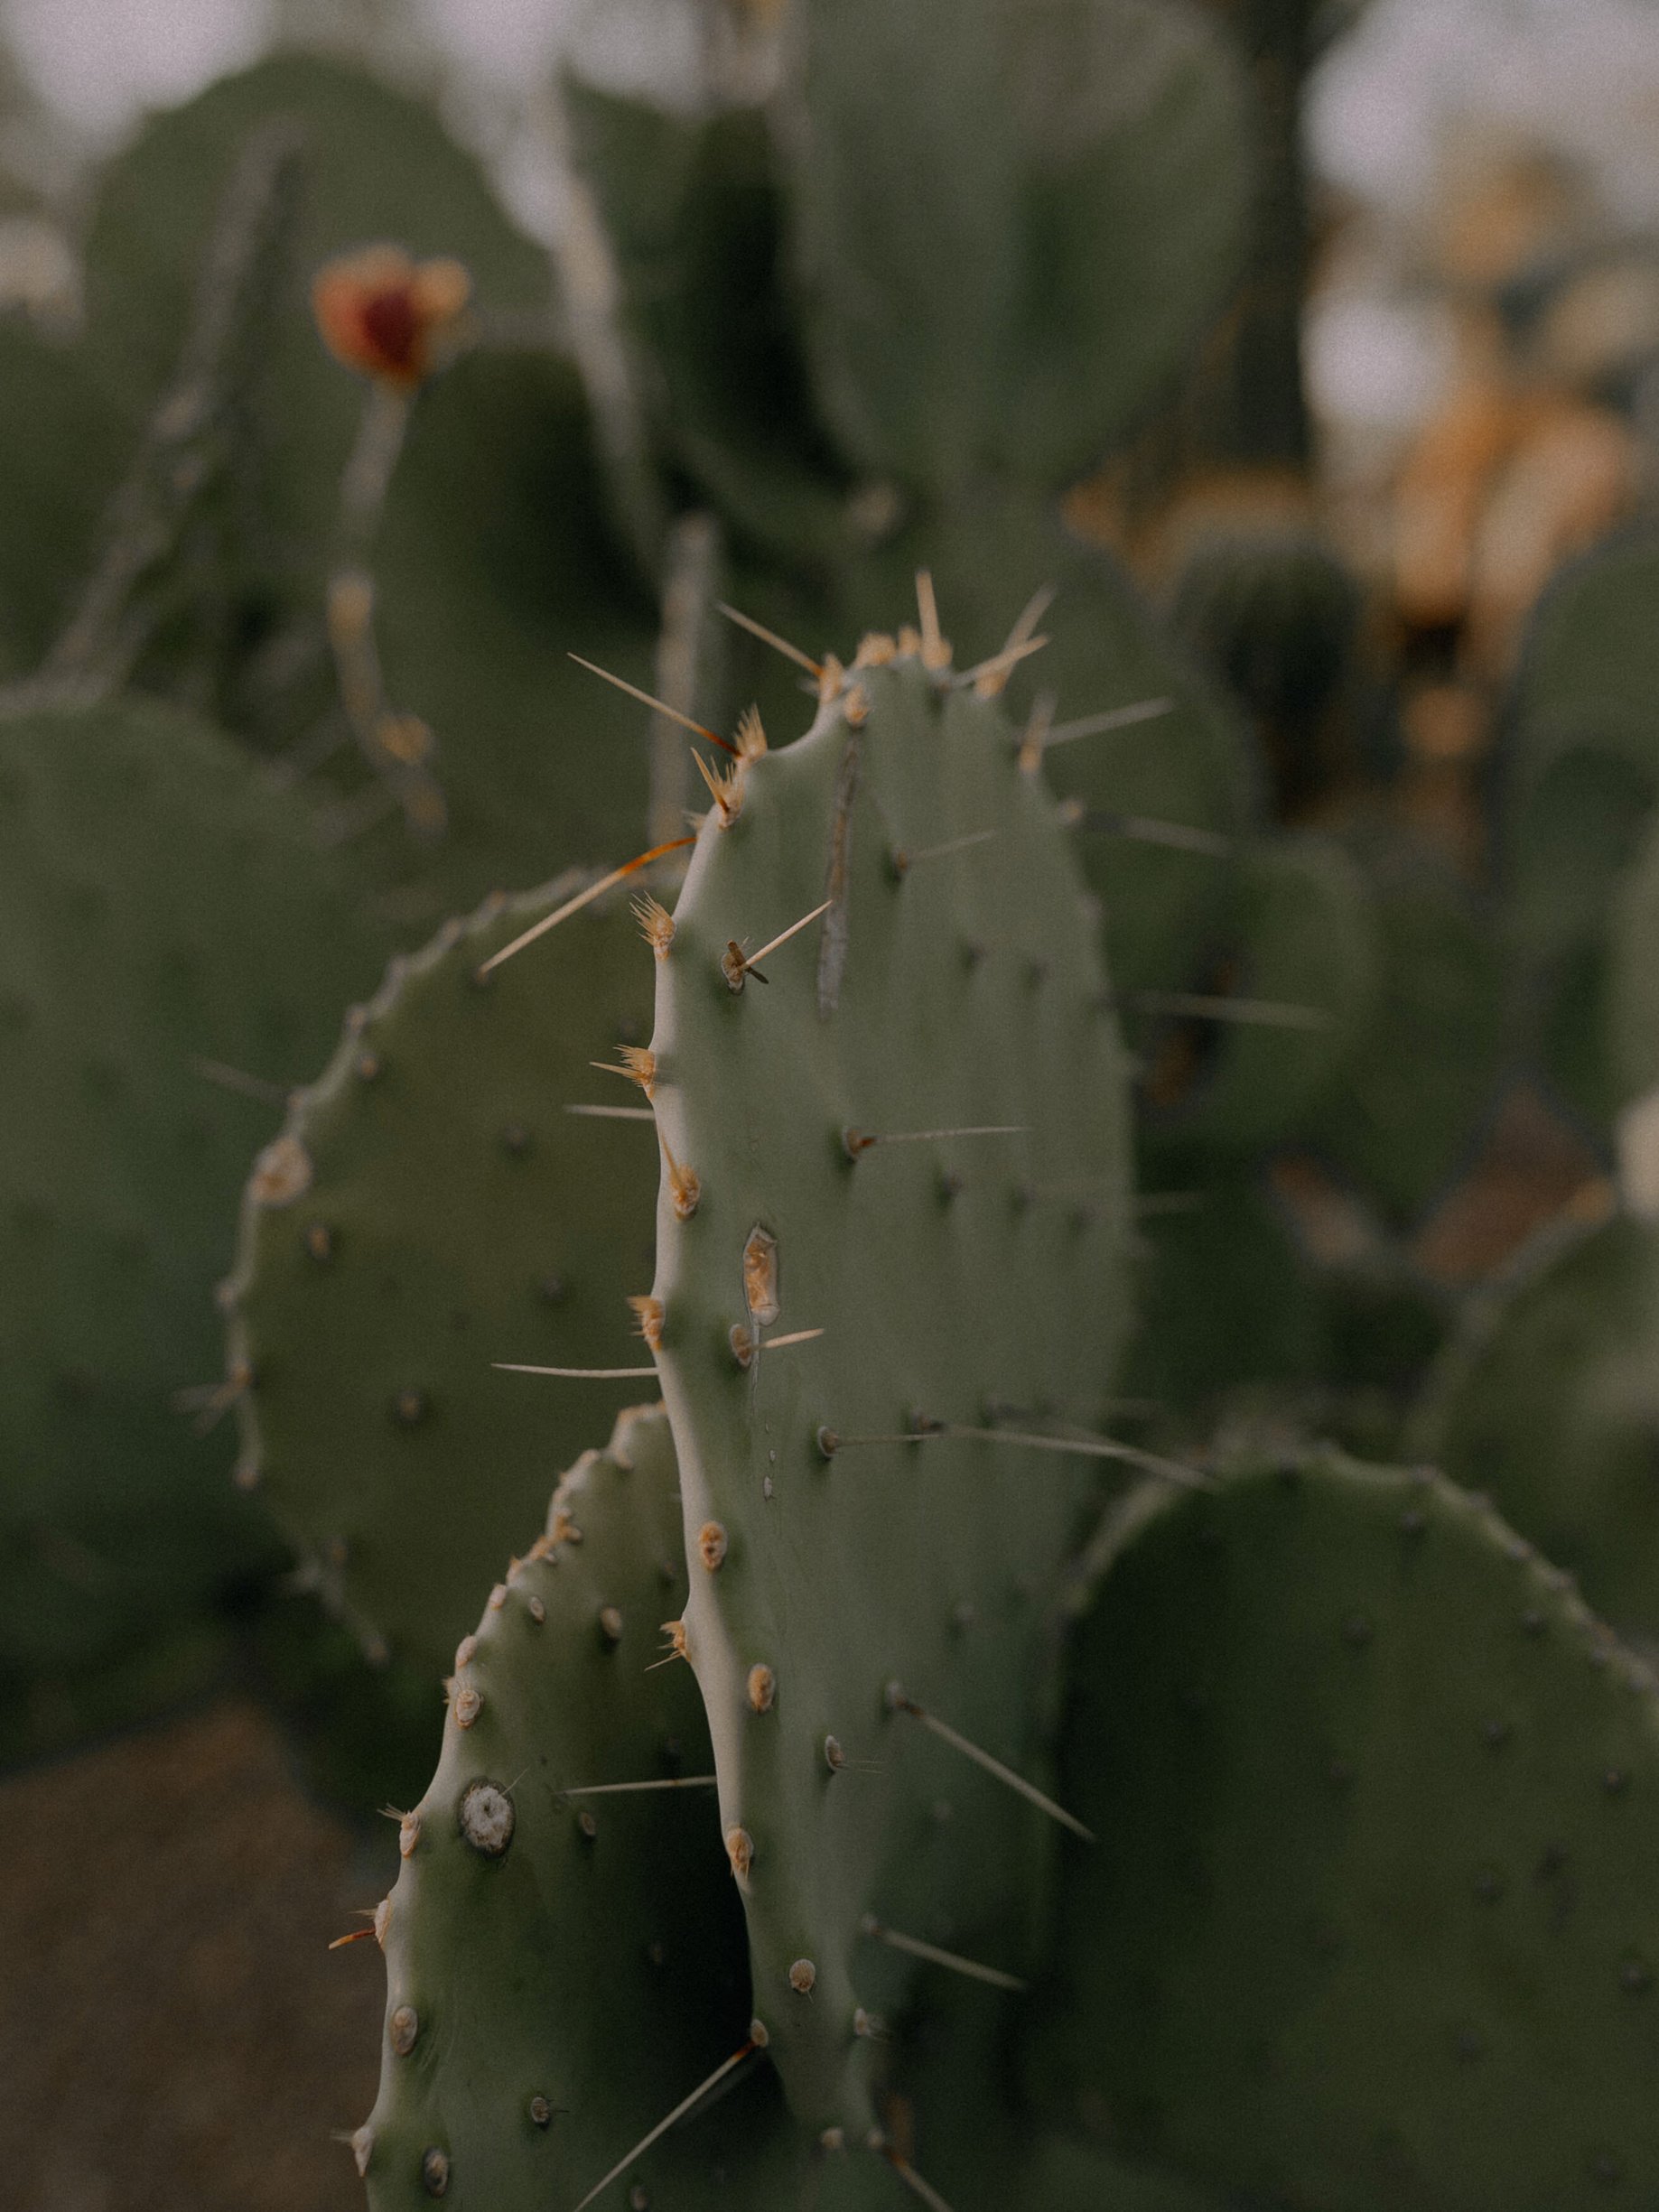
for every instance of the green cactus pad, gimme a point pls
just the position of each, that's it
(1227, 1301)
(1301, 968)
(1074, 182)
(1631, 1002)
(446, 1213)
(1273, 612)
(1159, 802)
(692, 206)
(563, 1970)
(493, 559)
(1370, 1923)
(1274, 615)
(165, 919)
(379, 167)
(1548, 1399)
(964, 1279)
(1409, 1101)
(1578, 784)
(56, 481)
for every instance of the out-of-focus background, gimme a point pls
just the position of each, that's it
(1477, 190)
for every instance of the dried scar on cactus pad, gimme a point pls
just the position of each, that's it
(387, 314)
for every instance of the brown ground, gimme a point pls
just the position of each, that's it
(174, 2035)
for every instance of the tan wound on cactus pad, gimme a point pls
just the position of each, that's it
(760, 1276)
(762, 1688)
(282, 1173)
(711, 1544)
(741, 1851)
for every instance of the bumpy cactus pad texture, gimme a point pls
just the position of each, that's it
(163, 913)
(429, 1209)
(563, 1970)
(967, 1279)
(1370, 1922)
(1548, 1399)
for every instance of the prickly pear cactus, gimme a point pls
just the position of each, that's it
(431, 1208)
(1059, 250)
(377, 165)
(693, 214)
(1632, 1036)
(901, 1159)
(565, 1963)
(493, 557)
(1370, 1922)
(170, 935)
(1155, 769)
(1579, 778)
(1410, 1099)
(54, 485)
(1272, 613)
(1548, 1398)
(1251, 1063)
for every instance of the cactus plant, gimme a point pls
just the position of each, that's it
(375, 165)
(1412, 1095)
(444, 1210)
(1034, 125)
(1274, 615)
(1301, 974)
(721, 1932)
(1631, 1039)
(759, 307)
(950, 1125)
(530, 1903)
(1363, 1928)
(1579, 779)
(1545, 1398)
(170, 928)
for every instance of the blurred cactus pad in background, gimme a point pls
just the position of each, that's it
(834, 1138)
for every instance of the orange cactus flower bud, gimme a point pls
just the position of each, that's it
(386, 314)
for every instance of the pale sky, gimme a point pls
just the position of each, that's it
(1583, 73)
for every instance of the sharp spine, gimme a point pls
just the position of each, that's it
(582, 898)
(1200, 1006)
(684, 2105)
(658, 706)
(914, 1945)
(574, 1374)
(771, 637)
(902, 1703)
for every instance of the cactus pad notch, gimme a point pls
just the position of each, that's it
(970, 1280)
(563, 1967)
